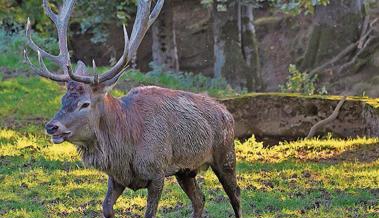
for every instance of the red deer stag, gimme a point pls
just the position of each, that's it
(145, 136)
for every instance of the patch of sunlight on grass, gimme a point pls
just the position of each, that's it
(7, 134)
(307, 149)
(306, 175)
(131, 205)
(24, 213)
(64, 151)
(90, 173)
(15, 144)
(345, 175)
(306, 178)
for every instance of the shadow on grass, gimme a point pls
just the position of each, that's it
(307, 200)
(24, 124)
(343, 185)
(22, 162)
(301, 187)
(362, 153)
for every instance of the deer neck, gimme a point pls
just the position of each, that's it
(115, 131)
(113, 125)
(108, 121)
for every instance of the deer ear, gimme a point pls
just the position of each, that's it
(104, 87)
(112, 82)
(81, 69)
(73, 86)
(107, 85)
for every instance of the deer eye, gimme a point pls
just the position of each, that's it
(84, 105)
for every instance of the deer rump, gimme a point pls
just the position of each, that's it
(154, 130)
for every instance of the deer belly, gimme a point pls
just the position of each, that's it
(191, 163)
(137, 184)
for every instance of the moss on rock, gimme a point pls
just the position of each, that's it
(292, 115)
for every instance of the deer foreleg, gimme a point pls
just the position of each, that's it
(113, 193)
(154, 192)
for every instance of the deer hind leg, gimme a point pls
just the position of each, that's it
(224, 167)
(113, 193)
(190, 187)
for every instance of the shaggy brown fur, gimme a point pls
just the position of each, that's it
(155, 132)
(149, 134)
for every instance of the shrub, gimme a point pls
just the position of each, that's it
(12, 45)
(300, 82)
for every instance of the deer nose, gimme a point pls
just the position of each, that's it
(51, 128)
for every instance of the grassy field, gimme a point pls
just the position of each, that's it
(312, 178)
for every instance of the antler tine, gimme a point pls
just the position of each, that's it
(35, 47)
(79, 78)
(114, 79)
(120, 66)
(49, 12)
(93, 66)
(142, 23)
(121, 63)
(62, 26)
(26, 58)
(156, 11)
(61, 21)
(140, 26)
(96, 76)
(44, 72)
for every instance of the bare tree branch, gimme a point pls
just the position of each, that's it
(364, 40)
(324, 122)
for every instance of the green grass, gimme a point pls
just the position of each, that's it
(25, 102)
(312, 178)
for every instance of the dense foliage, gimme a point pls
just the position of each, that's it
(296, 6)
(89, 16)
(299, 82)
(94, 16)
(290, 6)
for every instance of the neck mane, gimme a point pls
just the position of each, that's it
(117, 127)
(117, 122)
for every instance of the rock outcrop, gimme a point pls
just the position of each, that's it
(292, 116)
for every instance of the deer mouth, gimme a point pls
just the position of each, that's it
(60, 138)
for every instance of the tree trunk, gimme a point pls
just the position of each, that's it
(229, 60)
(335, 27)
(165, 51)
(250, 44)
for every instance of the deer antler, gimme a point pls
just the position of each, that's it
(142, 23)
(63, 59)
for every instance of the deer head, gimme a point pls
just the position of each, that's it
(85, 93)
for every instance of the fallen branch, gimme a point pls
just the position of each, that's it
(332, 117)
(356, 56)
(365, 26)
(362, 42)
(342, 54)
